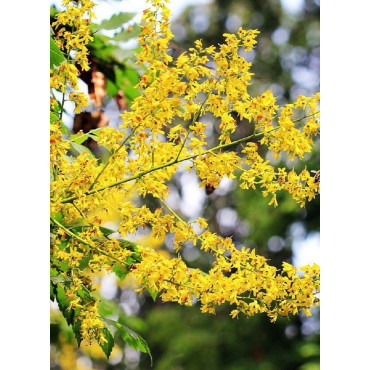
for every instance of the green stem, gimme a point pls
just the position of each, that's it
(106, 165)
(175, 161)
(172, 211)
(123, 143)
(79, 211)
(65, 82)
(195, 118)
(143, 173)
(63, 98)
(182, 146)
(85, 134)
(152, 155)
(73, 235)
(307, 116)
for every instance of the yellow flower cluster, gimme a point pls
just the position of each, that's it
(301, 187)
(58, 146)
(72, 35)
(80, 100)
(244, 279)
(212, 168)
(145, 156)
(292, 140)
(71, 252)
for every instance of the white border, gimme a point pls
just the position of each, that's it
(345, 175)
(25, 184)
(24, 158)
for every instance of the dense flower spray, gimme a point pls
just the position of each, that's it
(183, 89)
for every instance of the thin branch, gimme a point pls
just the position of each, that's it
(175, 161)
(106, 165)
(73, 235)
(196, 116)
(172, 211)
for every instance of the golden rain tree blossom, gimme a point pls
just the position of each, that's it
(183, 89)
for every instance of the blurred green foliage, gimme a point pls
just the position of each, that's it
(183, 338)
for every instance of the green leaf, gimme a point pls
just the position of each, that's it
(106, 231)
(63, 129)
(62, 265)
(79, 149)
(78, 228)
(110, 325)
(121, 271)
(86, 294)
(153, 293)
(131, 93)
(127, 244)
(53, 117)
(94, 27)
(117, 20)
(128, 34)
(80, 138)
(112, 88)
(52, 295)
(85, 262)
(76, 327)
(63, 303)
(64, 243)
(60, 279)
(133, 339)
(108, 346)
(56, 56)
(132, 75)
(58, 217)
